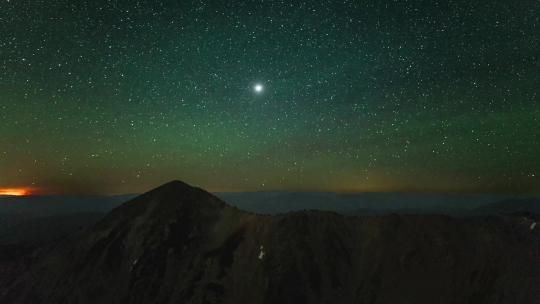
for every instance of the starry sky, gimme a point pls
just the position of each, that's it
(120, 96)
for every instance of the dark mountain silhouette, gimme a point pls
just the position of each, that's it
(359, 203)
(50, 205)
(43, 230)
(19, 241)
(179, 244)
(511, 206)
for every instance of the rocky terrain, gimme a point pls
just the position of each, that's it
(179, 244)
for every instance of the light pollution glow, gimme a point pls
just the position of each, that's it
(15, 191)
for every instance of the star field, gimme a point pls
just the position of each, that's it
(118, 96)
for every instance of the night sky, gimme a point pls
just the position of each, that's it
(120, 96)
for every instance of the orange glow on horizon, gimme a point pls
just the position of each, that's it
(15, 191)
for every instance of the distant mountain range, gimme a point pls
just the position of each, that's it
(361, 203)
(510, 206)
(37, 220)
(180, 244)
(42, 206)
(13, 207)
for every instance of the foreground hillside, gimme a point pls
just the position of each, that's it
(178, 244)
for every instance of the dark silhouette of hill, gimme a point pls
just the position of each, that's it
(359, 203)
(29, 222)
(26, 236)
(179, 244)
(43, 230)
(15, 210)
(39, 219)
(511, 206)
(49, 205)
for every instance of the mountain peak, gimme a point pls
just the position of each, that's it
(164, 203)
(177, 192)
(173, 187)
(181, 244)
(175, 184)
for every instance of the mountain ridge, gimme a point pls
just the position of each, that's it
(178, 243)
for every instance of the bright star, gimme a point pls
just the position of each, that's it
(258, 88)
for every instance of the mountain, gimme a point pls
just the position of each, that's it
(28, 223)
(15, 210)
(43, 230)
(19, 241)
(511, 206)
(26, 213)
(179, 244)
(49, 205)
(359, 203)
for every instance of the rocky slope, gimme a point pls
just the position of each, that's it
(179, 244)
